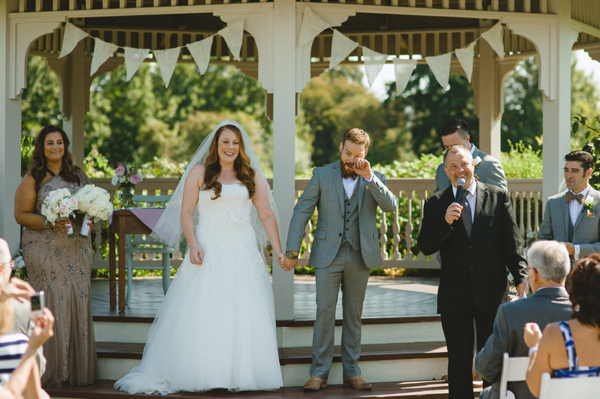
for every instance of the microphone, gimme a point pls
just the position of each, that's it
(459, 188)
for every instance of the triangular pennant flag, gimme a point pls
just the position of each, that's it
(465, 57)
(72, 36)
(133, 59)
(233, 35)
(341, 47)
(440, 66)
(312, 25)
(200, 51)
(403, 69)
(494, 38)
(167, 60)
(102, 52)
(374, 61)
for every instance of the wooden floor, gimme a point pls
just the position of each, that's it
(386, 297)
(412, 389)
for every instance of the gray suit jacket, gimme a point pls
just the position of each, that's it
(489, 171)
(586, 231)
(325, 191)
(547, 305)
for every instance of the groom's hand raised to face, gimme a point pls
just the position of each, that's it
(196, 255)
(362, 167)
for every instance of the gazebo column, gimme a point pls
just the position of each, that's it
(72, 72)
(10, 136)
(284, 141)
(19, 33)
(553, 42)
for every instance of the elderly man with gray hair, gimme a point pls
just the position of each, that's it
(549, 266)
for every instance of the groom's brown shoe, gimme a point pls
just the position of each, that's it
(356, 382)
(314, 384)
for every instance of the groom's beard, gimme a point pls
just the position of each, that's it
(345, 173)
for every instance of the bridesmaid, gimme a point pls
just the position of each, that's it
(58, 265)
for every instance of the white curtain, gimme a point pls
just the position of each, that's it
(133, 59)
(312, 25)
(102, 52)
(167, 60)
(494, 38)
(440, 66)
(374, 61)
(465, 57)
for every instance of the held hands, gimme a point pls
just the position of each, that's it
(453, 212)
(282, 260)
(288, 264)
(196, 255)
(532, 334)
(362, 167)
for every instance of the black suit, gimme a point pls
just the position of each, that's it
(473, 272)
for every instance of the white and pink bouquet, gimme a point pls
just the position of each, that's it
(95, 203)
(124, 176)
(59, 204)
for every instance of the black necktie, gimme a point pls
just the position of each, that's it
(577, 197)
(466, 213)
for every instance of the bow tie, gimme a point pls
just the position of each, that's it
(570, 197)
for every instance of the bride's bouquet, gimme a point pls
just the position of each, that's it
(59, 204)
(95, 203)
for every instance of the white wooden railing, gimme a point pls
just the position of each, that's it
(398, 230)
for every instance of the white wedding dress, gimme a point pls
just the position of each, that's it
(216, 325)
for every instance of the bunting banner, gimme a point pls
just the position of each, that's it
(234, 35)
(200, 51)
(402, 70)
(465, 57)
(102, 52)
(440, 66)
(72, 36)
(167, 61)
(374, 61)
(312, 25)
(494, 38)
(341, 47)
(133, 59)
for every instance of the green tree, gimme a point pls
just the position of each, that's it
(425, 106)
(337, 101)
(40, 102)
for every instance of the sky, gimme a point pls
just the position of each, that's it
(387, 74)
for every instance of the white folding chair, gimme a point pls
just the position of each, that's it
(569, 388)
(513, 369)
(145, 244)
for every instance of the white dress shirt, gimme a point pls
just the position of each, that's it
(575, 208)
(350, 183)
(471, 196)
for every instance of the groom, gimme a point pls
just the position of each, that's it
(343, 250)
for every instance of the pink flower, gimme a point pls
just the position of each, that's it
(135, 179)
(120, 171)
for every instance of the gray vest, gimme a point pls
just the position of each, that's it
(351, 228)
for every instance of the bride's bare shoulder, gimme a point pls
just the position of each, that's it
(197, 174)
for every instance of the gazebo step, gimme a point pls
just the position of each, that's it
(407, 390)
(379, 362)
(290, 333)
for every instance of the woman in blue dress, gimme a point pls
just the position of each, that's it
(569, 349)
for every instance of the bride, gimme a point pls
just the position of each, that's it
(216, 325)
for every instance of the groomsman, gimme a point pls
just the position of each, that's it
(346, 194)
(478, 239)
(487, 168)
(571, 217)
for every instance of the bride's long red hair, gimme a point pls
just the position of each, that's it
(241, 166)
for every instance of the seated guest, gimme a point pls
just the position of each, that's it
(21, 315)
(25, 382)
(569, 348)
(549, 265)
